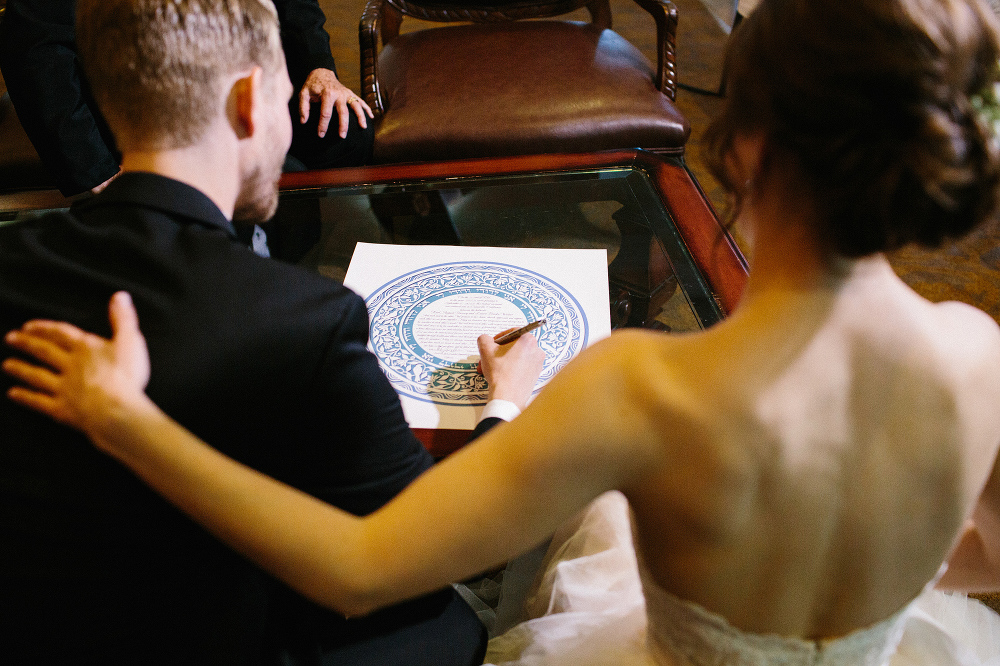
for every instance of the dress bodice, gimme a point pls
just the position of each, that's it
(597, 605)
(682, 632)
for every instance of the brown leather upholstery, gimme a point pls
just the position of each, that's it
(505, 87)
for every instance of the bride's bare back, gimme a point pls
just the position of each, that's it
(820, 449)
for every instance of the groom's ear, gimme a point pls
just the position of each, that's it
(244, 101)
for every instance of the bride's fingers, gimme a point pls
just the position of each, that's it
(41, 347)
(127, 339)
(60, 333)
(130, 352)
(41, 379)
(36, 401)
(122, 315)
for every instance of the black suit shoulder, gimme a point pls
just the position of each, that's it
(266, 361)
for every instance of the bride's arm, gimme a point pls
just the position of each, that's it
(481, 506)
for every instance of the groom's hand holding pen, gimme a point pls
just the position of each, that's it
(511, 363)
(512, 334)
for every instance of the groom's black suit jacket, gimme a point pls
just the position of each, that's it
(264, 360)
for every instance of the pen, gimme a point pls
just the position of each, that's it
(511, 336)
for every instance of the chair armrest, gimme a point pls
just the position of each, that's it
(665, 14)
(368, 39)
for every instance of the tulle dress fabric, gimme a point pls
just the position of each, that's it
(593, 604)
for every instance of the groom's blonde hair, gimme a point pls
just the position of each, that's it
(155, 66)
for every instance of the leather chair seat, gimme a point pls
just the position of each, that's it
(519, 88)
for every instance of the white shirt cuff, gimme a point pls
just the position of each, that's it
(501, 409)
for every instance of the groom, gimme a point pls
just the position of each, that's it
(266, 361)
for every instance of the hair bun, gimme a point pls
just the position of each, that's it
(888, 108)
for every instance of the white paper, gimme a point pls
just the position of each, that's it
(429, 303)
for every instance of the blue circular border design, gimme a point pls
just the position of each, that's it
(394, 307)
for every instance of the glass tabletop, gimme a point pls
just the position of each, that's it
(653, 279)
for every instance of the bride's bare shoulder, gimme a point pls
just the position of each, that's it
(963, 314)
(631, 369)
(966, 332)
(651, 378)
(633, 353)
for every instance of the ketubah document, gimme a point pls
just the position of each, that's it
(428, 304)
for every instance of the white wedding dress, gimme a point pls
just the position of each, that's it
(594, 605)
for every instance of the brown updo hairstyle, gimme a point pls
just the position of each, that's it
(870, 101)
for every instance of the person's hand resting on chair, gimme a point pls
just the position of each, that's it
(323, 86)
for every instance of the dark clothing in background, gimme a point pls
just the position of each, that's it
(53, 102)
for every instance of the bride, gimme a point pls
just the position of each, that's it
(791, 480)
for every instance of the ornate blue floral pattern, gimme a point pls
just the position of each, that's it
(407, 312)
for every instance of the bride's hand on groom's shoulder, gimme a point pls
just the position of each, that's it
(81, 379)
